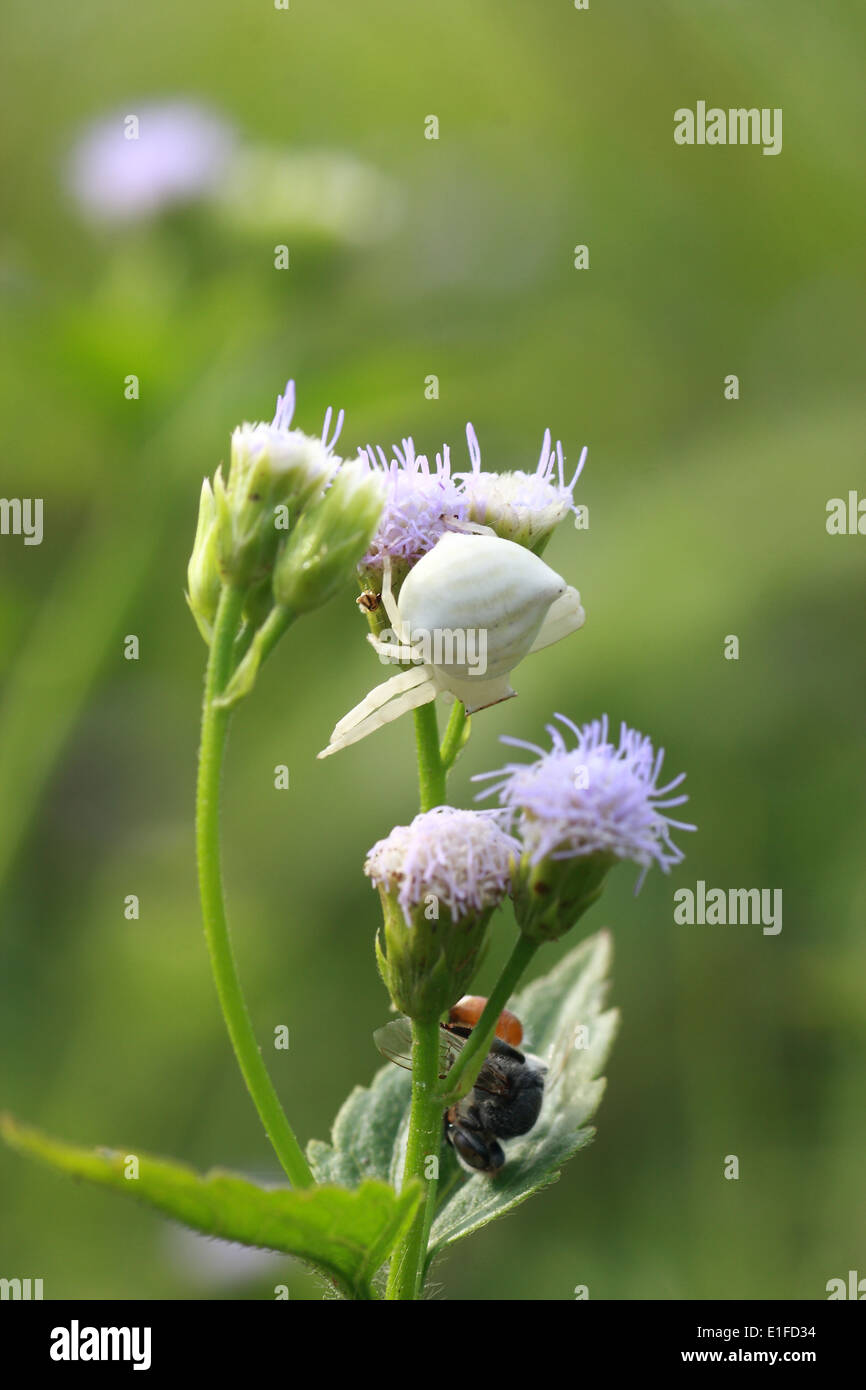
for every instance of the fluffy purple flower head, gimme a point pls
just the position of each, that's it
(181, 153)
(523, 507)
(595, 797)
(463, 858)
(420, 503)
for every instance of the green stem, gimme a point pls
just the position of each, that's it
(454, 736)
(431, 773)
(425, 1141)
(408, 1261)
(271, 631)
(214, 728)
(242, 644)
(249, 649)
(462, 1075)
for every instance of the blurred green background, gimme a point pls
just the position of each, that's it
(707, 518)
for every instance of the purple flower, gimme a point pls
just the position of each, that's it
(593, 798)
(462, 858)
(440, 880)
(420, 502)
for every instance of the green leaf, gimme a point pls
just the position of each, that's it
(366, 1131)
(369, 1136)
(348, 1234)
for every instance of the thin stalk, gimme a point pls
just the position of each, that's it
(431, 773)
(462, 1075)
(408, 1260)
(425, 1140)
(214, 728)
(249, 650)
(454, 735)
(271, 631)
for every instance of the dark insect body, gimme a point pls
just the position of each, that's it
(505, 1100)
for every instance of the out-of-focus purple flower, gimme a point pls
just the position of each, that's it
(179, 153)
(221, 1263)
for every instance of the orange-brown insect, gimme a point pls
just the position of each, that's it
(468, 1010)
(369, 601)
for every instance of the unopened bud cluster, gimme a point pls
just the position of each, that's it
(286, 527)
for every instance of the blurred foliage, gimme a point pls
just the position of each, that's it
(707, 518)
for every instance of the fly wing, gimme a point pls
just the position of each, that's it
(394, 1041)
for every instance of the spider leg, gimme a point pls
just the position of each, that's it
(388, 600)
(388, 710)
(397, 652)
(381, 694)
(470, 528)
(564, 615)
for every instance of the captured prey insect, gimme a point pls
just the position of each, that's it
(505, 1100)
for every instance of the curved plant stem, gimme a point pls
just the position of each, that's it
(467, 1066)
(431, 773)
(249, 650)
(213, 737)
(425, 1139)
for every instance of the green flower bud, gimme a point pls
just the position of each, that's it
(274, 474)
(203, 574)
(326, 545)
(552, 894)
(440, 880)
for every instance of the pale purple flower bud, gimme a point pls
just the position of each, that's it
(440, 880)
(521, 507)
(272, 467)
(460, 857)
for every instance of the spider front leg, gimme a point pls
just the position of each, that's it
(381, 695)
(401, 651)
(397, 653)
(389, 603)
(387, 702)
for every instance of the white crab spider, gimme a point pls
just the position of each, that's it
(467, 584)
